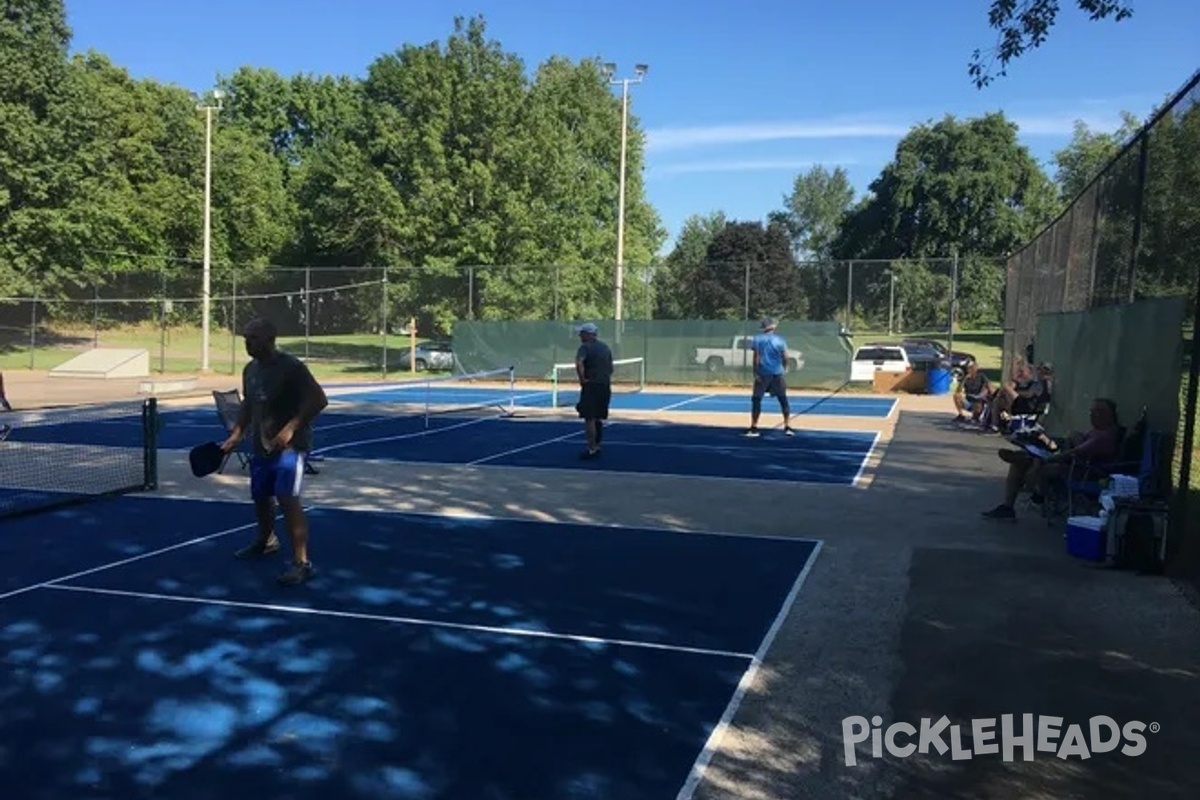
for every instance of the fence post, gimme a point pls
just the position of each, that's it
(95, 316)
(746, 300)
(1189, 422)
(307, 308)
(233, 325)
(162, 321)
(383, 308)
(37, 290)
(891, 299)
(849, 293)
(953, 296)
(1140, 204)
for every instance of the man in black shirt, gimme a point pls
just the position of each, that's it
(594, 366)
(280, 400)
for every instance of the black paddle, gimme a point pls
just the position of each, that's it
(206, 458)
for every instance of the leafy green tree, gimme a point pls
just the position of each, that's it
(674, 284)
(814, 211)
(954, 187)
(749, 272)
(34, 37)
(1025, 25)
(1088, 152)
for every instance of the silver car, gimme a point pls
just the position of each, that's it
(432, 355)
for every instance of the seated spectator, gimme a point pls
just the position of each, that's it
(973, 393)
(1024, 394)
(1025, 470)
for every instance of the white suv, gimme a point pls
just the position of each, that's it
(872, 358)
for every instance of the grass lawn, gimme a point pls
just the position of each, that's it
(177, 350)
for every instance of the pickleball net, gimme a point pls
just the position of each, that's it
(389, 413)
(51, 458)
(427, 398)
(629, 377)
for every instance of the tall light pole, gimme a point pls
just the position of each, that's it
(610, 71)
(208, 106)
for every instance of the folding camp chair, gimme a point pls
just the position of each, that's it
(229, 408)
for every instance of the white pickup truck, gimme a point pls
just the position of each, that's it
(739, 354)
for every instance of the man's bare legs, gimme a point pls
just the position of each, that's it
(297, 527)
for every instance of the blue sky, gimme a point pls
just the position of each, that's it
(740, 96)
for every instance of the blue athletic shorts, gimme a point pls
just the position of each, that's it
(278, 475)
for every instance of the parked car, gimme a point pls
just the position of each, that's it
(431, 355)
(739, 354)
(871, 358)
(959, 361)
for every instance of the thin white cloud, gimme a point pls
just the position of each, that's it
(685, 138)
(660, 139)
(752, 165)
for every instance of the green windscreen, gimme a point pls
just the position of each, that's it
(675, 351)
(1131, 354)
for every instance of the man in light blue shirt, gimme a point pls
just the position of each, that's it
(770, 358)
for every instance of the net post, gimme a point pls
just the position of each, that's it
(428, 389)
(642, 376)
(512, 391)
(554, 386)
(150, 444)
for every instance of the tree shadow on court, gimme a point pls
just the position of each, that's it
(141, 698)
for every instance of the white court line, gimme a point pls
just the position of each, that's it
(714, 739)
(124, 561)
(398, 437)
(863, 466)
(473, 515)
(757, 480)
(428, 623)
(737, 446)
(685, 402)
(478, 461)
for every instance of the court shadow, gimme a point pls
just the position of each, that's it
(137, 698)
(541, 578)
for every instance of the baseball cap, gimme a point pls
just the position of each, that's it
(767, 324)
(587, 327)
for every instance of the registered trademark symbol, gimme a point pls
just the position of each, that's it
(1155, 727)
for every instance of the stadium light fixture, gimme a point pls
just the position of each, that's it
(208, 105)
(610, 70)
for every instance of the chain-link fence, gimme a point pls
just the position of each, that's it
(1131, 237)
(356, 320)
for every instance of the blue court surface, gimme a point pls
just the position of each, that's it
(698, 402)
(659, 448)
(431, 657)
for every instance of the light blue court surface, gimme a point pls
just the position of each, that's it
(698, 402)
(431, 657)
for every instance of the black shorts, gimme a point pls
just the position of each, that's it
(593, 400)
(772, 385)
(1024, 406)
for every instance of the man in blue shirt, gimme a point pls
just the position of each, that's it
(770, 358)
